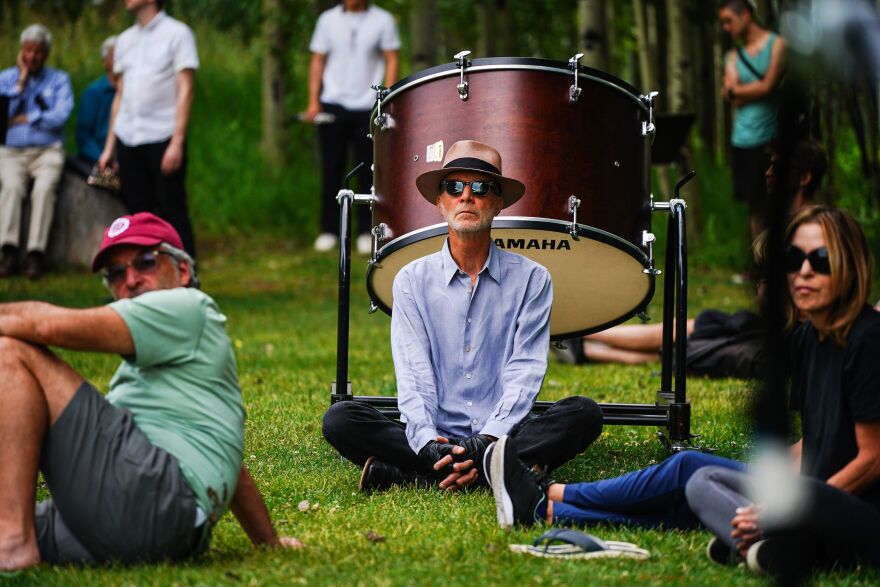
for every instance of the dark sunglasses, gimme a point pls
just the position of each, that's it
(146, 262)
(818, 258)
(454, 187)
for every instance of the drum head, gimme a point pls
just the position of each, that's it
(598, 280)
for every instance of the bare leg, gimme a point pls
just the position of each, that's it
(600, 353)
(635, 337)
(37, 386)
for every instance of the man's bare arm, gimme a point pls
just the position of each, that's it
(92, 329)
(109, 151)
(250, 511)
(316, 76)
(173, 156)
(756, 90)
(392, 67)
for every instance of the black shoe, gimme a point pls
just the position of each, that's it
(9, 261)
(571, 351)
(34, 265)
(379, 476)
(780, 559)
(519, 491)
(721, 554)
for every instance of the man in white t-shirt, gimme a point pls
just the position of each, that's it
(156, 60)
(355, 45)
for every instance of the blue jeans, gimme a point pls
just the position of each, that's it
(649, 497)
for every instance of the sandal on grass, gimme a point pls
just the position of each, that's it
(577, 545)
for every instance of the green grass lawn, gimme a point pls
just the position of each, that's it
(281, 304)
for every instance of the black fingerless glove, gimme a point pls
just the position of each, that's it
(433, 452)
(474, 448)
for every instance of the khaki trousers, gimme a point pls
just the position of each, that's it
(17, 166)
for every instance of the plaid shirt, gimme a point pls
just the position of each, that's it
(47, 100)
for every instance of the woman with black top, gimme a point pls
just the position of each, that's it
(836, 388)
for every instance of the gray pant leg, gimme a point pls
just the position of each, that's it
(713, 494)
(56, 542)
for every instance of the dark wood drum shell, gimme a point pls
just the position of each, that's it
(593, 148)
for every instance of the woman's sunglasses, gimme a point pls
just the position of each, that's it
(818, 258)
(146, 262)
(455, 187)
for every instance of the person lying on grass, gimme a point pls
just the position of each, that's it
(469, 336)
(143, 474)
(835, 370)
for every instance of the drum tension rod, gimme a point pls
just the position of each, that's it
(573, 204)
(648, 127)
(574, 92)
(381, 120)
(462, 64)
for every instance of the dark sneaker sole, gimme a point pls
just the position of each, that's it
(503, 505)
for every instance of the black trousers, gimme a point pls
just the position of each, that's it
(359, 431)
(347, 133)
(146, 189)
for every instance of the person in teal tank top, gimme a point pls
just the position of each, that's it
(143, 474)
(751, 74)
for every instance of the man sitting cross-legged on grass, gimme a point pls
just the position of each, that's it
(143, 474)
(469, 336)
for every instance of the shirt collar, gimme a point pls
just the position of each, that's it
(492, 265)
(155, 22)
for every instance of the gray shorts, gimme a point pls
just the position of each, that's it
(115, 496)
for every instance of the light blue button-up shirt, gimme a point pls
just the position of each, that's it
(47, 99)
(469, 360)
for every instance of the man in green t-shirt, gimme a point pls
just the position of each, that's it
(144, 473)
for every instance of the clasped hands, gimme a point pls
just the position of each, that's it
(455, 459)
(746, 527)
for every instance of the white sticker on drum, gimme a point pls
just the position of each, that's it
(434, 152)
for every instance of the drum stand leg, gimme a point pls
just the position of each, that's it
(346, 199)
(678, 430)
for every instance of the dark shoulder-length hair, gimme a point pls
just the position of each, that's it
(851, 266)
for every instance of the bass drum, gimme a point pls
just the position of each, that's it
(596, 149)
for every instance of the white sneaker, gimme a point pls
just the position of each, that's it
(365, 244)
(326, 241)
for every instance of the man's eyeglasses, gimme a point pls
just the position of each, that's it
(145, 262)
(818, 258)
(455, 187)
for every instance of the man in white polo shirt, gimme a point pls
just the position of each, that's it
(156, 60)
(354, 46)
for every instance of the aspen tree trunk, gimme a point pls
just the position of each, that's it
(423, 24)
(645, 74)
(274, 81)
(592, 40)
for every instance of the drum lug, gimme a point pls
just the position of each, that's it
(462, 64)
(373, 307)
(573, 204)
(380, 233)
(648, 239)
(648, 127)
(381, 120)
(574, 92)
(643, 316)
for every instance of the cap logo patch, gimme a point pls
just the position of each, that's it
(119, 226)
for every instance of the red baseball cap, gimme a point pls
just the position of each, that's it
(143, 228)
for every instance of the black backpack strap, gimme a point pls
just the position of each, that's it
(749, 66)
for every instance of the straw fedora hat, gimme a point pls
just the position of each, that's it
(470, 156)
